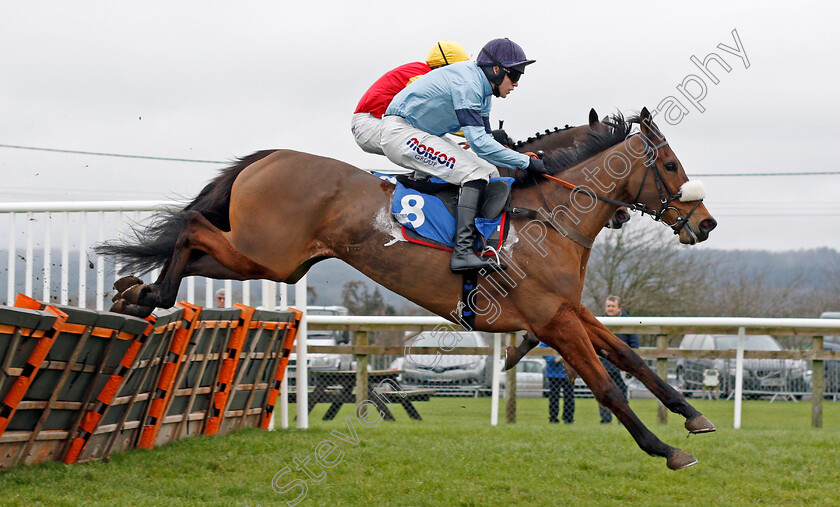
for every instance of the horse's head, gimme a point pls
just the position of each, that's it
(663, 187)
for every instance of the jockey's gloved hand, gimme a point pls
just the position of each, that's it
(536, 165)
(502, 138)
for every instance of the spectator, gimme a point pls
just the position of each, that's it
(555, 375)
(220, 298)
(612, 308)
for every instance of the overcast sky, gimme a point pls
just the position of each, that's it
(217, 80)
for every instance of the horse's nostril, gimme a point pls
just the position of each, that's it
(708, 224)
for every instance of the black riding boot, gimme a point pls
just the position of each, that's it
(464, 257)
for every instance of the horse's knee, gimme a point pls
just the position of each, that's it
(629, 358)
(610, 395)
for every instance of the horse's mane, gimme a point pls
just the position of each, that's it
(539, 135)
(613, 131)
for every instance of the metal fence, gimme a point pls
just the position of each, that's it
(810, 373)
(48, 255)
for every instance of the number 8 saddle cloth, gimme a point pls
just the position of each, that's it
(426, 211)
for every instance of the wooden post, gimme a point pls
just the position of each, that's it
(361, 368)
(510, 388)
(662, 371)
(818, 384)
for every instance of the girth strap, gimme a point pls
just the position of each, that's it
(470, 283)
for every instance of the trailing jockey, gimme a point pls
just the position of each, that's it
(367, 119)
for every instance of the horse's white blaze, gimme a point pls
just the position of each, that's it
(692, 191)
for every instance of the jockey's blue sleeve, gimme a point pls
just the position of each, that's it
(487, 148)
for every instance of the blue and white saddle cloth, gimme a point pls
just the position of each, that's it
(427, 220)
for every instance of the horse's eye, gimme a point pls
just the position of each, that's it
(671, 166)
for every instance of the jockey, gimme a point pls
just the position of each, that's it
(367, 119)
(458, 97)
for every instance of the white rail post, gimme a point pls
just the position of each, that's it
(284, 296)
(302, 389)
(100, 265)
(119, 225)
(30, 262)
(65, 260)
(82, 263)
(47, 256)
(228, 293)
(494, 390)
(10, 289)
(739, 377)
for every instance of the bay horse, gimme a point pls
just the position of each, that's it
(274, 215)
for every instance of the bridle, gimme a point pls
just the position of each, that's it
(666, 196)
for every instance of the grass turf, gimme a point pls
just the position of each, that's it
(454, 457)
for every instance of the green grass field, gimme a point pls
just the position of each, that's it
(454, 457)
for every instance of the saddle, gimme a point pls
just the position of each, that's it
(426, 208)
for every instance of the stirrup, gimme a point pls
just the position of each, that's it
(475, 263)
(501, 265)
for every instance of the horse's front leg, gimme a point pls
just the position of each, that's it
(620, 354)
(567, 334)
(515, 354)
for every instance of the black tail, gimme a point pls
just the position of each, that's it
(154, 244)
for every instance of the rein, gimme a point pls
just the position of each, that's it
(665, 198)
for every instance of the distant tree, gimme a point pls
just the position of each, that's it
(648, 269)
(311, 294)
(359, 300)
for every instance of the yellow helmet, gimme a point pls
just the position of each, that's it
(446, 52)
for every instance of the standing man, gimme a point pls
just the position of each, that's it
(612, 308)
(367, 119)
(457, 97)
(558, 382)
(220, 298)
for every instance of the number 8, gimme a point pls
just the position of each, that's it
(413, 209)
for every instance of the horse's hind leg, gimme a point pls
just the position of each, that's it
(567, 334)
(198, 236)
(620, 354)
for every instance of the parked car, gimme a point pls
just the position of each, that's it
(832, 371)
(323, 361)
(761, 376)
(530, 373)
(832, 368)
(446, 370)
(340, 337)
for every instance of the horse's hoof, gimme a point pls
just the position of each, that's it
(133, 294)
(512, 357)
(699, 424)
(681, 459)
(118, 307)
(126, 282)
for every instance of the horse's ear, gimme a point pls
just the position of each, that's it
(644, 121)
(593, 118)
